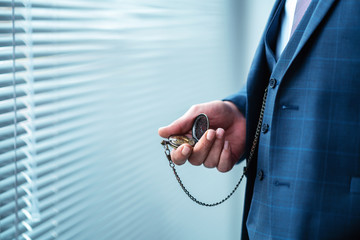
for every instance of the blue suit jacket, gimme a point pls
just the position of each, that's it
(306, 181)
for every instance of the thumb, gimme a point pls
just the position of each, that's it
(178, 127)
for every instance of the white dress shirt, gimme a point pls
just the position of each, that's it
(287, 19)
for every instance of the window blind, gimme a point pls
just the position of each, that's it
(49, 70)
(84, 86)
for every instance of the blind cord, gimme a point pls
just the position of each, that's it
(15, 119)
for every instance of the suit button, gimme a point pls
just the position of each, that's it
(265, 128)
(272, 83)
(260, 175)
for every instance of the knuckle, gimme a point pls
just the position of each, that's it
(176, 159)
(194, 108)
(195, 161)
(179, 161)
(224, 168)
(208, 164)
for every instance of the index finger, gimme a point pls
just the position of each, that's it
(180, 126)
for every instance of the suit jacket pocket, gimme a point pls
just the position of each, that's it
(355, 185)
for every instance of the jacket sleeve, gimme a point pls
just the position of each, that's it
(239, 99)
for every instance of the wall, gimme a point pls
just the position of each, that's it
(88, 84)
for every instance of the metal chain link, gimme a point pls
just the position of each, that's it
(250, 159)
(257, 133)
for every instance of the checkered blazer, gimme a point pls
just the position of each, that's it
(306, 180)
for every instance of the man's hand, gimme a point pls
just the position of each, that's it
(221, 146)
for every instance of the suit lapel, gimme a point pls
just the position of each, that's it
(271, 36)
(302, 35)
(319, 13)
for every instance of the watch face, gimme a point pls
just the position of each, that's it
(200, 126)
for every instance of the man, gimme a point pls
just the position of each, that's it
(304, 181)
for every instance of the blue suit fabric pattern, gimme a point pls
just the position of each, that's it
(306, 180)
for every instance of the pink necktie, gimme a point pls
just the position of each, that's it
(300, 10)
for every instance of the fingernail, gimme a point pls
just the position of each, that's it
(220, 133)
(226, 145)
(185, 151)
(210, 135)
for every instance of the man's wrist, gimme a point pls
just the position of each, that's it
(234, 107)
